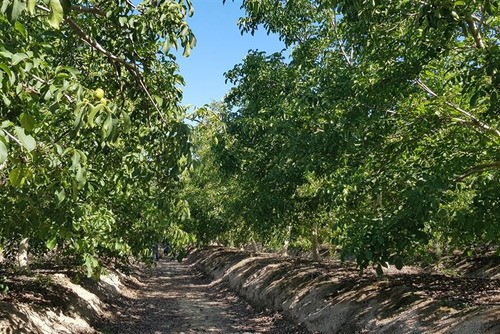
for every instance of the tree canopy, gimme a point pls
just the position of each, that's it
(92, 137)
(378, 135)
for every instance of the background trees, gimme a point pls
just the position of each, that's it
(380, 132)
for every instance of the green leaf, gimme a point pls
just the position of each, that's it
(56, 15)
(80, 177)
(17, 8)
(21, 28)
(75, 161)
(7, 70)
(59, 149)
(107, 127)
(159, 100)
(16, 177)
(74, 187)
(5, 5)
(122, 20)
(27, 121)
(51, 243)
(5, 53)
(60, 195)
(167, 45)
(3, 152)
(126, 121)
(31, 6)
(28, 142)
(187, 51)
(93, 112)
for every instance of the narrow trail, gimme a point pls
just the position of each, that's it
(177, 299)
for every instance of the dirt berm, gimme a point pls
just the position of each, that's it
(331, 297)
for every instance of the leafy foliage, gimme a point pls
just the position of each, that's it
(92, 139)
(381, 129)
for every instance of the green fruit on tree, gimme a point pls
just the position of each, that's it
(98, 93)
(104, 101)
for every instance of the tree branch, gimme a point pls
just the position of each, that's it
(88, 10)
(133, 68)
(69, 98)
(14, 139)
(349, 60)
(476, 33)
(477, 169)
(473, 119)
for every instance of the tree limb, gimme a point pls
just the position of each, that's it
(477, 169)
(475, 32)
(133, 68)
(69, 98)
(14, 139)
(349, 60)
(473, 119)
(88, 10)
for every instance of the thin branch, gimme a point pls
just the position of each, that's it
(477, 169)
(472, 118)
(14, 139)
(69, 98)
(133, 6)
(134, 69)
(145, 89)
(61, 136)
(335, 32)
(88, 10)
(476, 33)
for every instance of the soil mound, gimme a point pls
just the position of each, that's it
(331, 297)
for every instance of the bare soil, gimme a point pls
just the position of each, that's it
(202, 295)
(331, 297)
(177, 299)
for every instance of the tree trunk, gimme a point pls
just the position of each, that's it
(284, 252)
(314, 243)
(255, 247)
(22, 255)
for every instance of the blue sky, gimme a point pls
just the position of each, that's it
(219, 47)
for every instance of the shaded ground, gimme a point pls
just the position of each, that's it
(461, 297)
(177, 299)
(331, 297)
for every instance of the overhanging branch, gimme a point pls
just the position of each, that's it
(478, 169)
(473, 119)
(132, 68)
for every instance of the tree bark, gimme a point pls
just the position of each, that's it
(314, 243)
(255, 247)
(284, 252)
(22, 254)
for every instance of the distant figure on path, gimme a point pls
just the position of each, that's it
(166, 248)
(155, 253)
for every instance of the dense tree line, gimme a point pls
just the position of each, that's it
(379, 134)
(92, 134)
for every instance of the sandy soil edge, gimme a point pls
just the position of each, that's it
(332, 298)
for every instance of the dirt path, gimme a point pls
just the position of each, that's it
(178, 299)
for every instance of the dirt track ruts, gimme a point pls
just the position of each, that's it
(177, 299)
